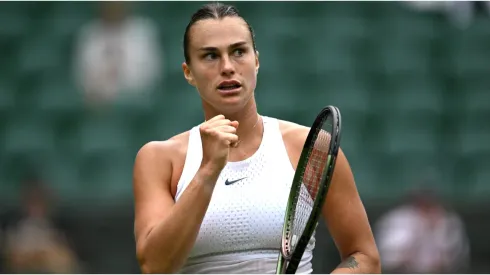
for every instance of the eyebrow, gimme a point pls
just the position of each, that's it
(234, 45)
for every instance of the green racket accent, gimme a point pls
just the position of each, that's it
(293, 246)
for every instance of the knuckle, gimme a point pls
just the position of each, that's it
(223, 141)
(209, 132)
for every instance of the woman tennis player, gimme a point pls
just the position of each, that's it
(212, 199)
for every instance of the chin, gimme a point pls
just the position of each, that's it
(230, 105)
(232, 100)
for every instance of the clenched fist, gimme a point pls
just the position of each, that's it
(217, 135)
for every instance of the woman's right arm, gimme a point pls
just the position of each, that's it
(165, 230)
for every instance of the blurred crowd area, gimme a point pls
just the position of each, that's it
(84, 85)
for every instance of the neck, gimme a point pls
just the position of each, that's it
(250, 125)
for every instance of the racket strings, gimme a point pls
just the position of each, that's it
(312, 177)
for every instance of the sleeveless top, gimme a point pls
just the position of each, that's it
(242, 228)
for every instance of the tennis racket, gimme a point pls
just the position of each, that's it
(309, 188)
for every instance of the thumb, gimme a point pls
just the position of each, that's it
(235, 124)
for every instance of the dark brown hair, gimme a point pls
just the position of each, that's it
(213, 11)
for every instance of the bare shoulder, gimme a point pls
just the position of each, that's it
(171, 148)
(293, 134)
(163, 158)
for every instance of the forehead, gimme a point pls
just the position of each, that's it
(219, 32)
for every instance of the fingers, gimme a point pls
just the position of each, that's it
(226, 133)
(226, 129)
(219, 121)
(222, 118)
(229, 138)
(218, 117)
(223, 128)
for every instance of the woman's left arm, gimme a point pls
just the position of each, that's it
(348, 224)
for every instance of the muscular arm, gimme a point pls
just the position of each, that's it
(165, 231)
(348, 223)
(343, 211)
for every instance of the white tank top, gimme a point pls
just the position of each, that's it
(241, 231)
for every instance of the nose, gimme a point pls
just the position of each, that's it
(227, 67)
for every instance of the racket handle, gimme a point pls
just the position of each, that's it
(281, 265)
(291, 269)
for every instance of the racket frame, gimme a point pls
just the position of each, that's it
(288, 263)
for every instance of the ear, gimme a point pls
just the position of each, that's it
(188, 74)
(257, 63)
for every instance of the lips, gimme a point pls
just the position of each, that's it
(229, 85)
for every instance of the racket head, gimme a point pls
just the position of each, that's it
(316, 165)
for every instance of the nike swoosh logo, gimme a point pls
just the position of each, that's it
(228, 182)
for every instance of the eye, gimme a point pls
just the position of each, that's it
(238, 52)
(210, 56)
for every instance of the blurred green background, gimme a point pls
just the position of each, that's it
(413, 89)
